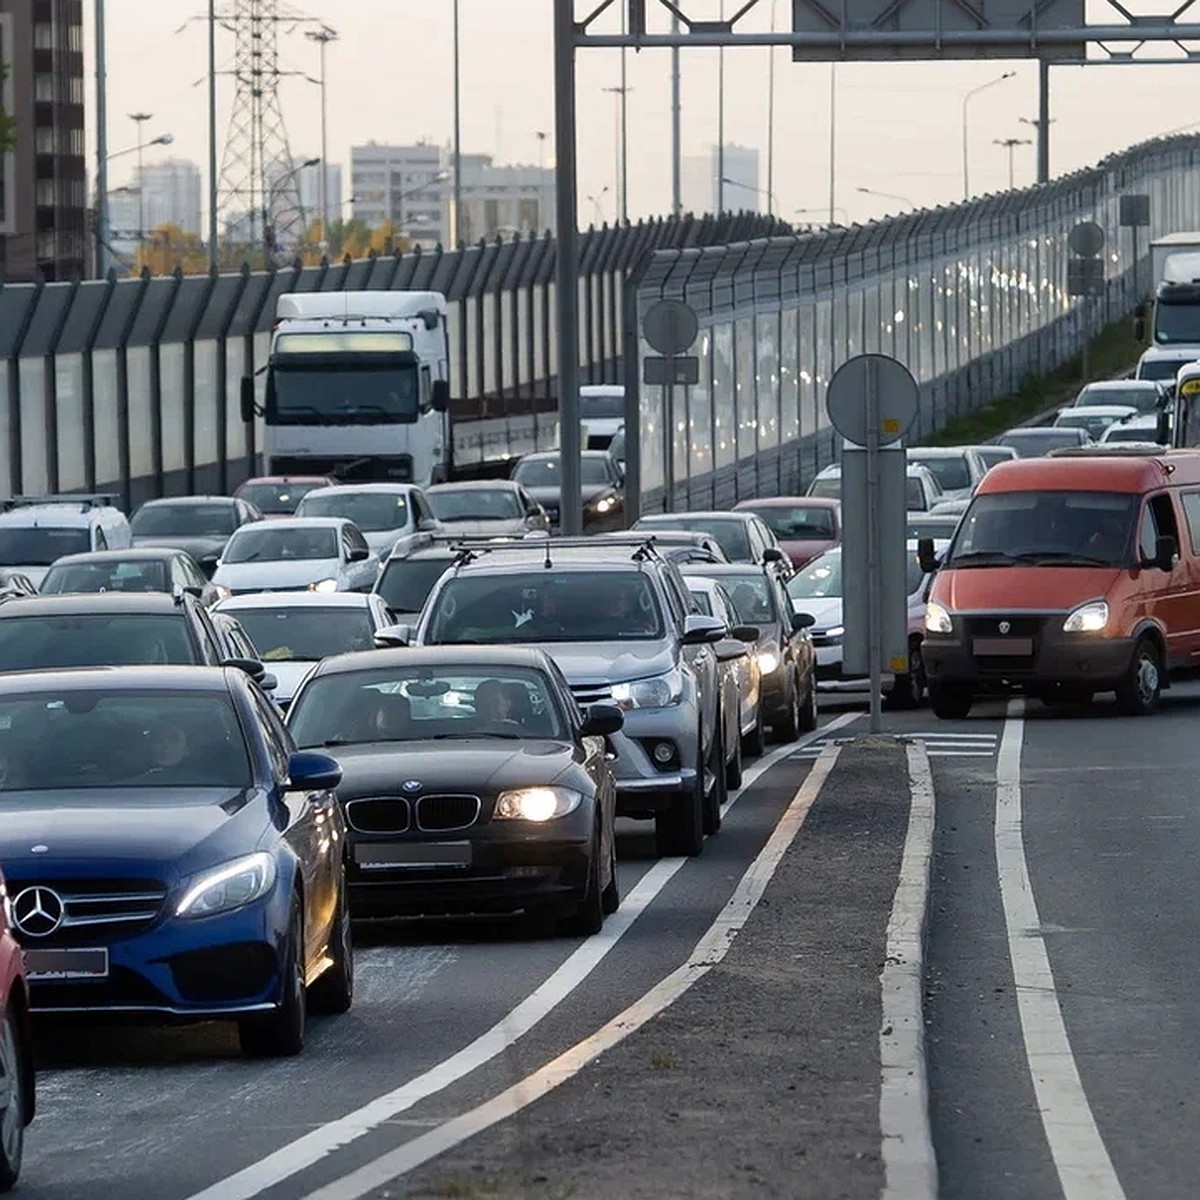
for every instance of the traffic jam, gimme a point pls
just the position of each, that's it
(234, 730)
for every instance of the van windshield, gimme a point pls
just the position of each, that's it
(1045, 529)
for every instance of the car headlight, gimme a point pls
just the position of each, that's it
(223, 593)
(231, 886)
(1087, 618)
(937, 619)
(660, 691)
(768, 662)
(323, 585)
(835, 631)
(537, 804)
(605, 504)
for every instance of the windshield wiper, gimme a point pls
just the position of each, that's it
(1065, 557)
(984, 558)
(286, 409)
(442, 737)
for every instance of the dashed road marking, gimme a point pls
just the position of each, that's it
(937, 744)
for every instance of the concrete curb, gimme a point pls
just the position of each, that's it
(909, 1162)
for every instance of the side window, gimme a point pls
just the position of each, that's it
(1164, 517)
(426, 387)
(347, 544)
(767, 537)
(210, 643)
(274, 733)
(1191, 507)
(100, 539)
(179, 574)
(531, 507)
(678, 597)
(357, 540)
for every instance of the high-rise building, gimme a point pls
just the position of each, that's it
(403, 185)
(170, 194)
(308, 179)
(43, 179)
(500, 201)
(700, 180)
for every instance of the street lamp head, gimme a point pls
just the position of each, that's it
(311, 162)
(163, 139)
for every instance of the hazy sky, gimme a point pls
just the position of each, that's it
(898, 125)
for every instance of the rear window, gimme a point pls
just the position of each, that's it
(39, 547)
(45, 642)
(184, 520)
(602, 407)
(953, 472)
(1143, 399)
(135, 576)
(730, 535)
(372, 512)
(827, 487)
(406, 582)
(797, 524)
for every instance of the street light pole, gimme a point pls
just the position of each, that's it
(721, 123)
(1010, 144)
(832, 140)
(214, 254)
(457, 185)
(866, 191)
(772, 200)
(323, 37)
(139, 119)
(269, 205)
(102, 238)
(966, 162)
(622, 135)
(676, 127)
(771, 118)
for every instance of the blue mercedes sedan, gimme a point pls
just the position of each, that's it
(167, 852)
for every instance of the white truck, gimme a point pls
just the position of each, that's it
(357, 387)
(1175, 269)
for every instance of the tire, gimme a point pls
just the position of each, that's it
(950, 702)
(588, 918)
(786, 728)
(13, 1090)
(610, 898)
(909, 689)
(808, 713)
(1140, 690)
(733, 768)
(280, 1034)
(755, 742)
(333, 993)
(679, 832)
(718, 794)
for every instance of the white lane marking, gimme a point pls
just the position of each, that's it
(305, 1151)
(709, 951)
(909, 1163)
(1085, 1170)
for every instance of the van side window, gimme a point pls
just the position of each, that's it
(1158, 520)
(1191, 507)
(426, 388)
(101, 540)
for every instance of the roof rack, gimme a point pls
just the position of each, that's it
(470, 549)
(1111, 450)
(85, 502)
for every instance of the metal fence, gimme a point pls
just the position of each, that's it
(131, 386)
(972, 298)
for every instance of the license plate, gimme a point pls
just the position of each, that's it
(53, 966)
(1004, 647)
(374, 857)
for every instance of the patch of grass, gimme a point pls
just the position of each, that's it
(663, 1062)
(1111, 351)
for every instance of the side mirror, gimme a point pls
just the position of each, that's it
(310, 772)
(1162, 428)
(730, 650)
(429, 525)
(699, 630)
(746, 633)
(1166, 551)
(1139, 311)
(359, 554)
(192, 590)
(439, 396)
(802, 620)
(393, 636)
(600, 720)
(926, 558)
(251, 666)
(247, 398)
(772, 555)
(268, 682)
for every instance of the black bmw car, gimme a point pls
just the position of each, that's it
(472, 782)
(168, 853)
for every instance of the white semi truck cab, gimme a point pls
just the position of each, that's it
(1175, 267)
(357, 386)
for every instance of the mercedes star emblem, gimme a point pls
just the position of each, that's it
(412, 785)
(38, 911)
(1005, 627)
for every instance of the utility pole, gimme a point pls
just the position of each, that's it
(622, 136)
(1042, 123)
(771, 119)
(676, 127)
(832, 141)
(721, 123)
(323, 37)
(139, 119)
(1011, 144)
(101, 145)
(214, 252)
(456, 186)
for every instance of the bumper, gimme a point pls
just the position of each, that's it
(1098, 663)
(832, 678)
(644, 787)
(504, 870)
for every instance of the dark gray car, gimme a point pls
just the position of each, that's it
(201, 525)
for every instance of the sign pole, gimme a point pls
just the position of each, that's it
(669, 446)
(874, 606)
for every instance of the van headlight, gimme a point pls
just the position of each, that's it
(659, 691)
(323, 585)
(536, 804)
(937, 618)
(227, 887)
(1087, 618)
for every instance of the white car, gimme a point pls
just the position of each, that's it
(292, 632)
(313, 554)
(1093, 418)
(958, 469)
(1163, 362)
(36, 530)
(387, 514)
(1146, 395)
(1140, 430)
(817, 589)
(601, 414)
(921, 486)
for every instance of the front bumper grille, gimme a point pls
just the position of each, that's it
(592, 693)
(94, 912)
(439, 814)
(361, 469)
(379, 814)
(400, 814)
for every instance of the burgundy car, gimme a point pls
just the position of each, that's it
(804, 525)
(16, 1046)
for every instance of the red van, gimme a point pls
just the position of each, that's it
(1069, 575)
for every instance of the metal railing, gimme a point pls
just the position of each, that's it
(972, 298)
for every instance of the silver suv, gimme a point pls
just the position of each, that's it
(619, 621)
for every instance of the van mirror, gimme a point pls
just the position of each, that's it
(1162, 430)
(925, 555)
(439, 395)
(247, 398)
(1166, 550)
(1139, 311)
(1139, 329)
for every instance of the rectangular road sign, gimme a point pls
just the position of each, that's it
(680, 371)
(1135, 210)
(1085, 276)
(892, 567)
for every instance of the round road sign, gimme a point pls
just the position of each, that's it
(895, 389)
(670, 326)
(1086, 239)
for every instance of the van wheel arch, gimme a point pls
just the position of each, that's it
(1152, 632)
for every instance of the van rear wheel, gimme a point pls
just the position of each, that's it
(950, 702)
(1140, 690)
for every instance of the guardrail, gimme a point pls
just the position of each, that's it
(971, 297)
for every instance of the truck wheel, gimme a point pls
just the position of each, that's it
(1139, 691)
(949, 701)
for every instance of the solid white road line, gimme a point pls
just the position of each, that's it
(1085, 1170)
(909, 1163)
(709, 951)
(305, 1151)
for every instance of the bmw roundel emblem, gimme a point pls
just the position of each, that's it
(1005, 627)
(412, 785)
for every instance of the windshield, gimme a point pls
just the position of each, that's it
(476, 504)
(1143, 399)
(39, 547)
(602, 407)
(992, 455)
(1034, 445)
(914, 494)
(1158, 368)
(184, 520)
(730, 535)
(822, 578)
(1130, 433)
(337, 394)
(547, 472)
(86, 740)
(406, 582)
(1045, 528)
(45, 642)
(933, 527)
(272, 545)
(407, 704)
(372, 512)
(106, 576)
(826, 487)
(544, 606)
(276, 499)
(306, 634)
(1176, 324)
(797, 524)
(952, 472)
(751, 599)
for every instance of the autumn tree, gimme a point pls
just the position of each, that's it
(8, 124)
(168, 247)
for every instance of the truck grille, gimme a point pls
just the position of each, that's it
(392, 467)
(1004, 645)
(592, 693)
(94, 911)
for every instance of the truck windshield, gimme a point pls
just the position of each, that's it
(1177, 324)
(322, 393)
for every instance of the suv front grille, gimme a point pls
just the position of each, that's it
(443, 813)
(592, 693)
